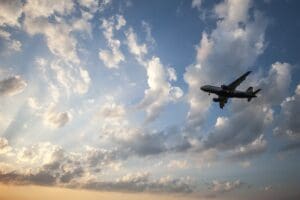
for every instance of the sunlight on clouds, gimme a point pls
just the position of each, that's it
(160, 91)
(113, 57)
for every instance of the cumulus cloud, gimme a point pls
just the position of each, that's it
(276, 84)
(288, 120)
(241, 129)
(235, 30)
(160, 91)
(57, 32)
(4, 146)
(10, 12)
(12, 86)
(57, 119)
(242, 132)
(113, 57)
(254, 148)
(40, 8)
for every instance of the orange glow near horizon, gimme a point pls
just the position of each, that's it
(12, 192)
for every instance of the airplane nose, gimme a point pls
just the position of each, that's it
(202, 88)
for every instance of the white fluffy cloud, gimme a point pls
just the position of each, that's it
(136, 49)
(113, 57)
(276, 84)
(4, 146)
(59, 31)
(10, 11)
(40, 8)
(160, 91)
(56, 119)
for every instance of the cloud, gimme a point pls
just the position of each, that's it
(141, 182)
(12, 86)
(242, 132)
(42, 164)
(258, 146)
(177, 164)
(288, 121)
(48, 164)
(244, 127)
(75, 79)
(10, 12)
(4, 146)
(220, 187)
(40, 8)
(133, 46)
(58, 38)
(160, 91)
(113, 57)
(12, 44)
(133, 139)
(235, 30)
(275, 86)
(57, 119)
(196, 4)
(96, 157)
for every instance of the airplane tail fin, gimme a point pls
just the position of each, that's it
(249, 90)
(254, 92)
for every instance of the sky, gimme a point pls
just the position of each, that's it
(101, 98)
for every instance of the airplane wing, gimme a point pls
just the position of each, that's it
(238, 81)
(222, 101)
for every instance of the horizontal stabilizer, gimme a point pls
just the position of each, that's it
(256, 91)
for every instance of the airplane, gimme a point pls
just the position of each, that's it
(229, 91)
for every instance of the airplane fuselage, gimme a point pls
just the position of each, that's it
(227, 93)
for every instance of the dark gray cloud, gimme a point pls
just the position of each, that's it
(240, 129)
(255, 148)
(12, 86)
(147, 143)
(290, 147)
